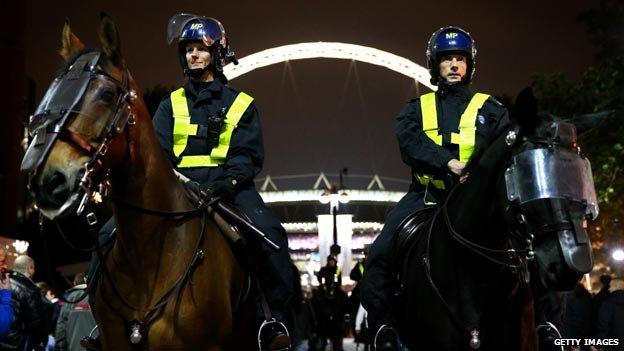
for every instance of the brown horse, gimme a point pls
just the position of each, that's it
(160, 290)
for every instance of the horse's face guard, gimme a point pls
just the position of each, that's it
(63, 100)
(554, 190)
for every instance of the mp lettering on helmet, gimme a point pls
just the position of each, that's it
(451, 35)
(196, 25)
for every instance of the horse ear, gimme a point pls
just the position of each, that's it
(109, 38)
(585, 123)
(525, 110)
(70, 44)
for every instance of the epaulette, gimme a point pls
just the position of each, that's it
(495, 101)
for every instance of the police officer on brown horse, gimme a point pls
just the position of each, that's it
(211, 133)
(437, 133)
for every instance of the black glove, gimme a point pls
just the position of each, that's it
(225, 189)
(196, 193)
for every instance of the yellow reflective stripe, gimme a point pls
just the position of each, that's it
(467, 127)
(361, 268)
(197, 161)
(425, 179)
(429, 114)
(234, 114)
(182, 126)
(430, 117)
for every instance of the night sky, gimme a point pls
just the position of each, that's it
(322, 114)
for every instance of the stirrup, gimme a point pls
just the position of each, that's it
(549, 328)
(279, 344)
(90, 343)
(390, 329)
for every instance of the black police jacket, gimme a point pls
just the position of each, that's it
(426, 157)
(246, 153)
(32, 316)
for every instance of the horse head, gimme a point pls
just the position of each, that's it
(550, 190)
(545, 192)
(80, 126)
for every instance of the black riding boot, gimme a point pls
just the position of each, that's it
(387, 339)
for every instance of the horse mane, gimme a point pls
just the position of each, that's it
(485, 153)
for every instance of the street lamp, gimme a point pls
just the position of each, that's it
(335, 196)
(618, 255)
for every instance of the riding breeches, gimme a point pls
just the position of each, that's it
(276, 272)
(376, 282)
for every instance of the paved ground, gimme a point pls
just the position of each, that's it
(348, 346)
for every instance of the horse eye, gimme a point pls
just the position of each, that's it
(106, 96)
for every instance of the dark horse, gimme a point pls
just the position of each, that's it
(523, 209)
(171, 281)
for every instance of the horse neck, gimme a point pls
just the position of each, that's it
(474, 208)
(145, 178)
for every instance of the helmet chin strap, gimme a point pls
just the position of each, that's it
(196, 73)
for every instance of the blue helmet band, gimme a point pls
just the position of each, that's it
(453, 40)
(207, 30)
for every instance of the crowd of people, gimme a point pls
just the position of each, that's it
(32, 317)
(576, 313)
(600, 316)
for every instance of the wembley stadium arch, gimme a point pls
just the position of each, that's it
(303, 209)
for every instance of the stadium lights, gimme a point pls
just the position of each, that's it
(313, 195)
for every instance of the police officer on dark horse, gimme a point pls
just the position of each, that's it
(436, 135)
(211, 134)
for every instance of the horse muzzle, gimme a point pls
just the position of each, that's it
(54, 193)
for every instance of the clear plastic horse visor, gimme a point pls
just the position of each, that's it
(547, 173)
(60, 101)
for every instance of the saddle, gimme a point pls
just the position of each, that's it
(235, 237)
(408, 232)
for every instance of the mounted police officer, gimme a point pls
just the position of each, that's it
(211, 134)
(437, 133)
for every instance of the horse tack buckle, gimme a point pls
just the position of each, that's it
(475, 342)
(137, 332)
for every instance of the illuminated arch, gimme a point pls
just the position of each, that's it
(330, 50)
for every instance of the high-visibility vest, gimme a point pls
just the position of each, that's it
(337, 275)
(465, 138)
(183, 128)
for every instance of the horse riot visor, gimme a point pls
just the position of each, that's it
(63, 99)
(557, 179)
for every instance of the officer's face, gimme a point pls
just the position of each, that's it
(453, 67)
(197, 55)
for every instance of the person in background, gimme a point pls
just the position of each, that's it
(75, 320)
(610, 322)
(600, 298)
(33, 314)
(6, 308)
